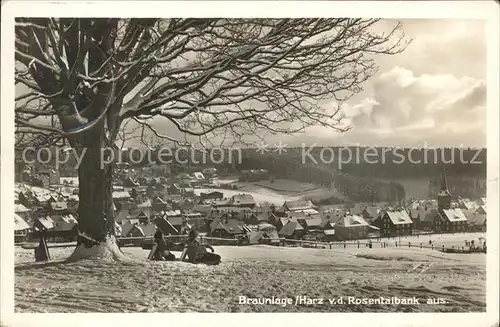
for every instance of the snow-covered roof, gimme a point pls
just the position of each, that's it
(172, 213)
(59, 205)
(372, 211)
(298, 205)
(399, 217)
(309, 211)
(121, 195)
(353, 221)
(239, 199)
(266, 226)
(47, 222)
(20, 208)
(68, 219)
(314, 222)
(290, 228)
(454, 215)
(199, 175)
(19, 223)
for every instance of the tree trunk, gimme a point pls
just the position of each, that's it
(96, 223)
(95, 211)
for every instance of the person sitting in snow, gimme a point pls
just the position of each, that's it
(162, 252)
(197, 253)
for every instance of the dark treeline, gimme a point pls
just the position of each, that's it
(415, 163)
(349, 186)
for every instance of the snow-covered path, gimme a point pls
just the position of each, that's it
(257, 272)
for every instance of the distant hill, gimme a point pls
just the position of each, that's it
(379, 177)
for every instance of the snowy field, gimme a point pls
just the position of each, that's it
(261, 195)
(457, 280)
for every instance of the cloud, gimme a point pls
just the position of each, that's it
(406, 109)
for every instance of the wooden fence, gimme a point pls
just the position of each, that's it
(381, 244)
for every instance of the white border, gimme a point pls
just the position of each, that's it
(488, 10)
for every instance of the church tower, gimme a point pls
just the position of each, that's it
(444, 195)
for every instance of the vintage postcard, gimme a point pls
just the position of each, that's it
(250, 157)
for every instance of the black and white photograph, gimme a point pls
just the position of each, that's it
(326, 162)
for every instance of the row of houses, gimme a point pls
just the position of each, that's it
(213, 214)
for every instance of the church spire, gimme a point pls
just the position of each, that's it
(444, 182)
(444, 196)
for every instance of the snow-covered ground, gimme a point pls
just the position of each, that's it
(261, 195)
(255, 272)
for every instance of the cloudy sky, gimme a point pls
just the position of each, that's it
(434, 93)
(431, 95)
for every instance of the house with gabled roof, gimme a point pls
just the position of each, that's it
(292, 230)
(481, 209)
(476, 222)
(467, 204)
(327, 224)
(370, 213)
(22, 211)
(351, 227)
(131, 230)
(312, 223)
(395, 223)
(282, 221)
(59, 208)
(335, 214)
(418, 216)
(256, 218)
(65, 223)
(228, 228)
(451, 221)
(44, 199)
(43, 223)
(426, 219)
(165, 226)
(297, 205)
(255, 237)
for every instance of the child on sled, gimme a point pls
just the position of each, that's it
(197, 253)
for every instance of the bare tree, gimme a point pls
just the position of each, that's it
(128, 132)
(207, 77)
